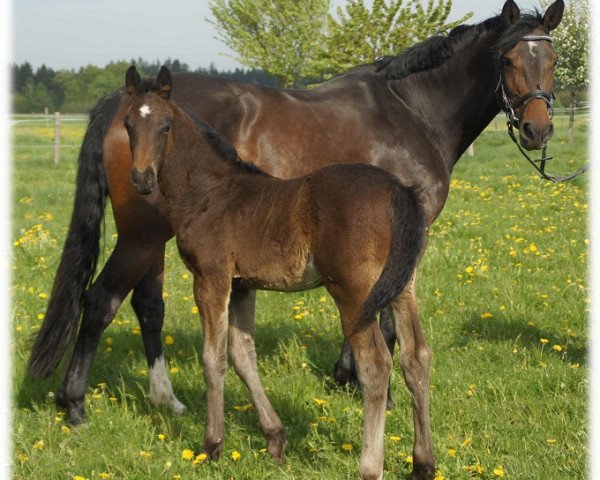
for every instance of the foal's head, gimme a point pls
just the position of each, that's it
(527, 61)
(148, 123)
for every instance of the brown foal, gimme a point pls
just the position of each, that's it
(353, 228)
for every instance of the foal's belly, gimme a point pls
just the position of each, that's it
(304, 279)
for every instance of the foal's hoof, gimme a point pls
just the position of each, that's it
(213, 449)
(276, 444)
(423, 472)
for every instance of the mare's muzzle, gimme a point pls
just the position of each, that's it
(143, 182)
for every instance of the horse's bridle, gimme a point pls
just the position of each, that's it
(512, 121)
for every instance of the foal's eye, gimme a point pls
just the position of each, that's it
(506, 63)
(166, 128)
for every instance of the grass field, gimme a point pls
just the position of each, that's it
(503, 299)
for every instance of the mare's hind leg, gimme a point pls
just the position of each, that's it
(344, 370)
(373, 366)
(415, 360)
(243, 355)
(123, 270)
(148, 304)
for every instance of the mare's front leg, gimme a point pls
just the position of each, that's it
(415, 360)
(344, 370)
(243, 355)
(212, 298)
(124, 269)
(149, 307)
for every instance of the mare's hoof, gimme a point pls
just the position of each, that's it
(389, 404)
(213, 449)
(345, 376)
(276, 444)
(75, 409)
(423, 472)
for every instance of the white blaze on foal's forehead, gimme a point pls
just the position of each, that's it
(145, 110)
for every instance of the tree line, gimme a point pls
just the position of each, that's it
(77, 91)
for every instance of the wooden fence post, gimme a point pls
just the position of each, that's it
(56, 138)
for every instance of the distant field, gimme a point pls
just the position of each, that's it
(503, 298)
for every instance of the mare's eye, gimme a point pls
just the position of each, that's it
(506, 63)
(166, 128)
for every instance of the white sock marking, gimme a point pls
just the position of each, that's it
(161, 390)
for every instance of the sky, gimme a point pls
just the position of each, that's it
(73, 33)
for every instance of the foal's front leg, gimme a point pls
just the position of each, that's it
(212, 298)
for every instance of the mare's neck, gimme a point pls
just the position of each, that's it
(455, 101)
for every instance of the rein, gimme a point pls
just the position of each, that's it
(512, 121)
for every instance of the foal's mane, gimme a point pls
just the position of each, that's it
(436, 50)
(221, 146)
(214, 139)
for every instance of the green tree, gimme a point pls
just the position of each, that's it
(359, 35)
(571, 42)
(280, 36)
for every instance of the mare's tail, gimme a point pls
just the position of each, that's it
(81, 249)
(408, 241)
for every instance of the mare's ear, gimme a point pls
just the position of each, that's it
(510, 13)
(165, 83)
(132, 81)
(553, 15)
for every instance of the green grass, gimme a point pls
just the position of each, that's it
(503, 299)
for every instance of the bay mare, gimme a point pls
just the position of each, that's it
(351, 227)
(412, 115)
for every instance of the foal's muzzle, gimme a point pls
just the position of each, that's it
(144, 183)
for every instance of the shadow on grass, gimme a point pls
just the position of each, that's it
(519, 332)
(123, 381)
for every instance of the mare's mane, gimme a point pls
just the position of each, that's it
(436, 50)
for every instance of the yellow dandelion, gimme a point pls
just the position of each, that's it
(23, 458)
(323, 299)
(296, 308)
(161, 436)
(466, 442)
(558, 348)
(79, 477)
(321, 403)
(104, 475)
(39, 445)
(145, 454)
(65, 429)
(299, 316)
(185, 276)
(439, 476)
(174, 370)
(194, 309)
(347, 447)
(43, 296)
(187, 454)
(551, 441)
(109, 341)
(243, 408)
(200, 459)
(452, 452)
(409, 459)
(136, 330)
(543, 341)
(169, 340)
(394, 438)
(486, 315)
(499, 471)
(235, 455)
(469, 269)
(40, 316)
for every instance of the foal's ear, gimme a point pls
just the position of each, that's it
(510, 13)
(165, 82)
(132, 81)
(553, 15)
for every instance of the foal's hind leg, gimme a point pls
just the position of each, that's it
(415, 360)
(149, 307)
(243, 355)
(344, 370)
(373, 365)
(123, 270)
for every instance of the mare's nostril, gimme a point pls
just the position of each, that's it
(528, 130)
(135, 178)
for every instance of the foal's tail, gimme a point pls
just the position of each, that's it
(81, 248)
(408, 241)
